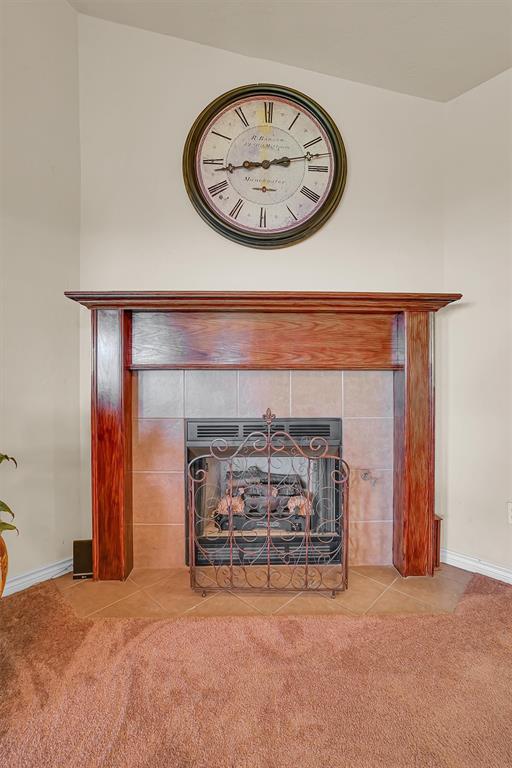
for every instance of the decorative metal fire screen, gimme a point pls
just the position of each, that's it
(267, 506)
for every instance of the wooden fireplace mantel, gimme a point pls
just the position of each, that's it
(137, 330)
(262, 301)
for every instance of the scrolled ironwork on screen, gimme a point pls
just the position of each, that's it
(274, 517)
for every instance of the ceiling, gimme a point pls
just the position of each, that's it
(436, 50)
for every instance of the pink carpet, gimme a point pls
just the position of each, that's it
(306, 692)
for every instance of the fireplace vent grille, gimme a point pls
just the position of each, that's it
(247, 429)
(305, 429)
(200, 431)
(212, 431)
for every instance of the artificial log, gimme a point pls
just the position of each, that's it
(235, 504)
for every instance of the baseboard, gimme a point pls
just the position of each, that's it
(475, 565)
(24, 580)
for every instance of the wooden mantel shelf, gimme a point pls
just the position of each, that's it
(264, 301)
(137, 330)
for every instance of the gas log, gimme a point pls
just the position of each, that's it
(251, 499)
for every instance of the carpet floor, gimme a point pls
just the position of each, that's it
(257, 692)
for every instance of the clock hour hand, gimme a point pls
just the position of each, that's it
(247, 164)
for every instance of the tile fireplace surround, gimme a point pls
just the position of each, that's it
(162, 399)
(161, 357)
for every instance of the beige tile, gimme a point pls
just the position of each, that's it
(316, 394)
(289, 579)
(371, 494)
(90, 596)
(178, 603)
(368, 443)
(237, 578)
(383, 574)
(207, 576)
(439, 591)
(179, 579)
(174, 593)
(267, 603)
(368, 393)
(158, 546)
(145, 577)
(160, 394)
(66, 581)
(140, 604)
(158, 444)
(259, 390)
(158, 497)
(361, 593)
(318, 576)
(223, 604)
(310, 604)
(370, 543)
(326, 576)
(455, 573)
(210, 394)
(392, 602)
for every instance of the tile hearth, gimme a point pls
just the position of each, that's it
(165, 593)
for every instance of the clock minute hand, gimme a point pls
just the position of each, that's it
(287, 160)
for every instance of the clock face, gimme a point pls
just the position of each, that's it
(264, 165)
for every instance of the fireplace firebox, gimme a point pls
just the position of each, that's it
(266, 504)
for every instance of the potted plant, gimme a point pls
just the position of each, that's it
(5, 527)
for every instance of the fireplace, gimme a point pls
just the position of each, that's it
(266, 503)
(136, 331)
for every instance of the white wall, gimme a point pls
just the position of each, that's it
(140, 93)
(39, 208)
(475, 338)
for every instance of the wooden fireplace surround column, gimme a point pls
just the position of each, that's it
(138, 330)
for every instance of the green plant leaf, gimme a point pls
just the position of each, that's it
(5, 508)
(7, 527)
(5, 457)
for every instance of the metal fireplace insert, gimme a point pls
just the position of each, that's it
(267, 504)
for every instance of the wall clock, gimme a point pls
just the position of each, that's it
(264, 165)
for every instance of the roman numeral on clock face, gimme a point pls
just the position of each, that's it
(310, 194)
(269, 111)
(242, 117)
(236, 208)
(221, 135)
(263, 217)
(216, 189)
(294, 121)
(318, 168)
(313, 141)
(217, 161)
